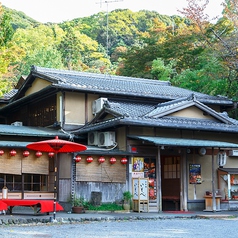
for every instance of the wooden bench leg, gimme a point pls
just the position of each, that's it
(176, 205)
(10, 209)
(35, 210)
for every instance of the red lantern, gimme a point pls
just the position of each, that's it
(123, 160)
(89, 159)
(101, 159)
(1, 152)
(51, 154)
(38, 154)
(13, 152)
(113, 160)
(26, 153)
(77, 158)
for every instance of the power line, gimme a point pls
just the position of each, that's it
(107, 2)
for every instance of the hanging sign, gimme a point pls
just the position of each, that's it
(137, 174)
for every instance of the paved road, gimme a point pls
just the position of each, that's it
(164, 228)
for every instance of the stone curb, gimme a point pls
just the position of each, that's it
(69, 220)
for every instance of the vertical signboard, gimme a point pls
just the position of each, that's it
(195, 174)
(140, 194)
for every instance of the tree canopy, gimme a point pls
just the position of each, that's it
(192, 51)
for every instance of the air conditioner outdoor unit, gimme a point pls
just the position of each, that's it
(106, 139)
(93, 138)
(233, 153)
(97, 105)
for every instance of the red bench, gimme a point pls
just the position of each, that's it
(3, 207)
(39, 206)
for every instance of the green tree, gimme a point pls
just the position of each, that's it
(9, 53)
(40, 47)
(161, 41)
(219, 39)
(206, 78)
(79, 51)
(6, 30)
(163, 72)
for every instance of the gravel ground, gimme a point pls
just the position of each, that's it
(184, 228)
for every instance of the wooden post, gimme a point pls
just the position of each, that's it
(184, 181)
(159, 189)
(213, 183)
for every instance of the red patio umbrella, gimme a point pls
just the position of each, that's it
(57, 146)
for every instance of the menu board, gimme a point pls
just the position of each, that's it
(140, 189)
(195, 174)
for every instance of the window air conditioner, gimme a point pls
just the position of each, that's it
(106, 139)
(93, 138)
(233, 153)
(97, 105)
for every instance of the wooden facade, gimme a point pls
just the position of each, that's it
(101, 172)
(69, 109)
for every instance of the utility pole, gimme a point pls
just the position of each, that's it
(107, 2)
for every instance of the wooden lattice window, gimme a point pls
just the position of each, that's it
(30, 182)
(171, 167)
(42, 113)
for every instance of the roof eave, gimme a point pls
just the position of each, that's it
(150, 123)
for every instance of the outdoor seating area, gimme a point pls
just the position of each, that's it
(38, 206)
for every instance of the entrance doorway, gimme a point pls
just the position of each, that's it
(170, 183)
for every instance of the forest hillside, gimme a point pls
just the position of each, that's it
(192, 51)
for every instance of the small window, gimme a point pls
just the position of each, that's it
(27, 182)
(35, 182)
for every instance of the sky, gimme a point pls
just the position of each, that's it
(57, 11)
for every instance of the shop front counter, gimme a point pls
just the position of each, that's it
(209, 205)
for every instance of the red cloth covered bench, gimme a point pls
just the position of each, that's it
(3, 206)
(44, 206)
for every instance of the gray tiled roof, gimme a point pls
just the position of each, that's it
(9, 94)
(119, 85)
(139, 114)
(10, 130)
(166, 107)
(185, 142)
(179, 104)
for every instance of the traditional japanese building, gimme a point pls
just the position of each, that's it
(179, 146)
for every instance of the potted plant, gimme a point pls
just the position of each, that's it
(127, 196)
(78, 205)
